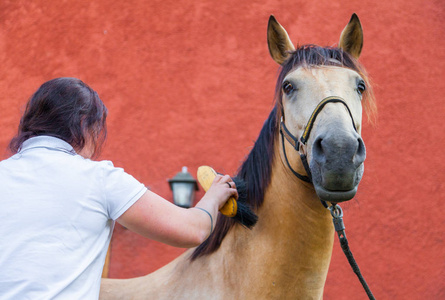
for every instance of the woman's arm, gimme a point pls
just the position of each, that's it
(156, 218)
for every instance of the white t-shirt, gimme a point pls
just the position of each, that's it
(57, 212)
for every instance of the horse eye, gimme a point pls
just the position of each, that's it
(288, 87)
(361, 87)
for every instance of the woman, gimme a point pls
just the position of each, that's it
(58, 207)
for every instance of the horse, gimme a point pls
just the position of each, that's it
(320, 94)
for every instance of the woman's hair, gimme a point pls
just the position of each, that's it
(65, 108)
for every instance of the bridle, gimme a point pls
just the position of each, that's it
(336, 212)
(300, 144)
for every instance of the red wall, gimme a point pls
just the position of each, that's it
(190, 83)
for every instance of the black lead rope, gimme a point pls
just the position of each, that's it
(337, 218)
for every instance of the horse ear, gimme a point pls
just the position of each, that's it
(279, 43)
(351, 39)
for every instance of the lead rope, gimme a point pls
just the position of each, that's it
(336, 211)
(337, 218)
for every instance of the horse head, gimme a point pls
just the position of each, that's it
(320, 93)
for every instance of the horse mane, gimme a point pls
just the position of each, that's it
(255, 172)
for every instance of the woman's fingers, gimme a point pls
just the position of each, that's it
(227, 181)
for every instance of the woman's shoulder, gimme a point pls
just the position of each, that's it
(95, 164)
(105, 167)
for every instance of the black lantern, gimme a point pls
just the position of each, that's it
(183, 186)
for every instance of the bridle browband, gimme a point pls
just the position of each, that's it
(336, 211)
(299, 144)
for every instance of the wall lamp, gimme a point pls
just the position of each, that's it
(183, 186)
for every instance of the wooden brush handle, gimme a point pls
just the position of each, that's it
(206, 175)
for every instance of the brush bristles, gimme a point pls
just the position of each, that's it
(244, 214)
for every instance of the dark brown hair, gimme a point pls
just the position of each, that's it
(65, 108)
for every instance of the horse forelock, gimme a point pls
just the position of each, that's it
(257, 167)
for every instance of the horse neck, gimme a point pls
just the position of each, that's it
(292, 242)
(285, 256)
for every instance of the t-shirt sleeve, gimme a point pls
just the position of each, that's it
(121, 190)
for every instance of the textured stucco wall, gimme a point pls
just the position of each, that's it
(191, 82)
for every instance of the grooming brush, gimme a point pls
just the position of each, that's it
(237, 210)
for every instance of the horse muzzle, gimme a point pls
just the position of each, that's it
(337, 165)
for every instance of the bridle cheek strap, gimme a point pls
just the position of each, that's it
(298, 144)
(304, 178)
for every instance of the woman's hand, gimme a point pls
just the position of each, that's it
(221, 190)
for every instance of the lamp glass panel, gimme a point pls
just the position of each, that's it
(183, 193)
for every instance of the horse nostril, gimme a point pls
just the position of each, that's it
(360, 155)
(318, 151)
